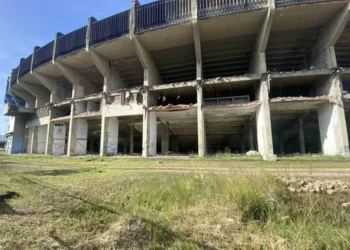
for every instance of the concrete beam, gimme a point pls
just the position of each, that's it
(151, 74)
(258, 61)
(75, 77)
(25, 95)
(42, 96)
(322, 55)
(263, 121)
(197, 41)
(112, 81)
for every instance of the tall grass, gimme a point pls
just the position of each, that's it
(90, 210)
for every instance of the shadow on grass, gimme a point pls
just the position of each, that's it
(6, 209)
(57, 172)
(160, 233)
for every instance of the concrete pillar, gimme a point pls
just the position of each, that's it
(132, 128)
(301, 136)
(331, 117)
(41, 133)
(258, 61)
(58, 138)
(33, 140)
(149, 134)
(197, 41)
(280, 143)
(110, 135)
(263, 121)
(250, 136)
(202, 140)
(18, 134)
(151, 74)
(165, 138)
(242, 144)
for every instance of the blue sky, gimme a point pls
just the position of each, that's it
(28, 23)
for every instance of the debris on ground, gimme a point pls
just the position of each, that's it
(253, 153)
(312, 186)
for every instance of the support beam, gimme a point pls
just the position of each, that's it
(301, 136)
(263, 120)
(202, 137)
(197, 41)
(33, 140)
(281, 144)
(112, 79)
(165, 138)
(42, 95)
(258, 61)
(250, 135)
(331, 118)
(151, 74)
(322, 54)
(75, 77)
(51, 85)
(242, 144)
(132, 129)
(149, 126)
(25, 95)
(109, 136)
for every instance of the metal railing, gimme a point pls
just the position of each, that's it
(209, 8)
(71, 42)
(24, 66)
(43, 55)
(162, 13)
(110, 28)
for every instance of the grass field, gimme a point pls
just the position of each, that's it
(97, 204)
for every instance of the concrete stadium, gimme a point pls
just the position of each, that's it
(190, 76)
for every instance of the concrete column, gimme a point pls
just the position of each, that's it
(197, 41)
(250, 136)
(263, 121)
(58, 138)
(151, 74)
(202, 140)
(165, 138)
(110, 135)
(149, 134)
(242, 144)
(280, 143)
(49, 135)
(41, 133)
(331, 117)
(258, 61)
(301, 136)
(132, 128)
(18, 134)
(77, 134)
(33, 140)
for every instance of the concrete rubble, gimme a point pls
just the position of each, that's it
(313, 186)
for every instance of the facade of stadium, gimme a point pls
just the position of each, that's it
(188, 76)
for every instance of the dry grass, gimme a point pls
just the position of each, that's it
(80, 208)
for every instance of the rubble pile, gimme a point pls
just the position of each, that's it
(309, 185)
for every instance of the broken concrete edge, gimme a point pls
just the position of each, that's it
(88, 114)
(300, 98)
